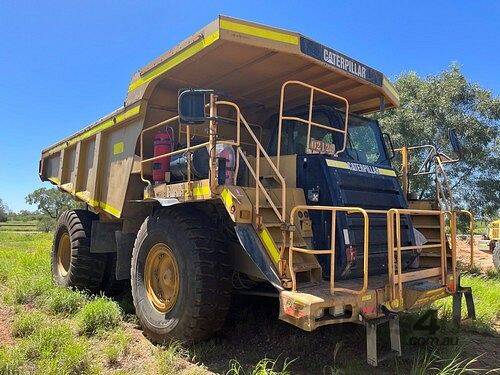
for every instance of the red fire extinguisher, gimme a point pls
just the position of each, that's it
(163, 143)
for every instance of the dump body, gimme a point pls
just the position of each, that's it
(246, 61)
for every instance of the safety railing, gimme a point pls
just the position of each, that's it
(444, 193)
(394, 245)
(443, 188)
(331, 251)
(254, 171)
(309, 122)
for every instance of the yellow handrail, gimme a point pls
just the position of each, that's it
(394, 244)
(256, 172)
(331, 251)
(309, 121)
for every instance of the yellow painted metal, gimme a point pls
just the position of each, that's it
(255, 172)
(405, 170)
(269, 244)
(200, 191)
(494, 230)
(161, 278)
(386, 172)
(64, 254)
(55, 180)
(395, 274)
(331, 251)
(227, 198)
(110, 209)
(118, 148)
(127, 114)
(174, 60)
(309, 122)
(260, 32)
(98, 204)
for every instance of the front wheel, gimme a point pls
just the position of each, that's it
(180, 275)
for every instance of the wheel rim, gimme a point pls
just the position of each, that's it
(161, 278)
(64, 254)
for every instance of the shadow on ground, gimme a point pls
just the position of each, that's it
(252, 331)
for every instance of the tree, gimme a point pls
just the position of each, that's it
(51, 204)
(4, 211)
(431, 106)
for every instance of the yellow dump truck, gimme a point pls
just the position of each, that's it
(241, 162)
(491, 242)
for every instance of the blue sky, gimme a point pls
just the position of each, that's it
(66, 63)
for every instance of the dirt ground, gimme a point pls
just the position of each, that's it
(5, 326)
(253, 331)
(482, 259)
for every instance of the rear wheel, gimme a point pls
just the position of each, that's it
(180, 276)
(73, 265)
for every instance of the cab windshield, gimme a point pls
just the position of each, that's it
(364, 142)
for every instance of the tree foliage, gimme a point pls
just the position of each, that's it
(51, 203)
(431, 106)
(4, 211)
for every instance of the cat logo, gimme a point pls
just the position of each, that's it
(363, 168)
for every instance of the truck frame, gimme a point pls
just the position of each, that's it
(275, 184)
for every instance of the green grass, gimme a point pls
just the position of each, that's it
(265, 366)
(46, 341)
(60, 331)
(100, 314)
(26, 323)
(19, 226)
(486, 294)
(117, 346)
(64, 301)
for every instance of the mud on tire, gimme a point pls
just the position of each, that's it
(204, 281)
(73, 265)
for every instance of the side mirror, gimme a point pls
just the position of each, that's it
(388, 142)
(455, 143)
(191, 106)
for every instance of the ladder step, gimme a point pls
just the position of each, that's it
(273, 224)
(302, 267)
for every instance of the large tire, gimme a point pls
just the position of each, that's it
(73, 265)
(496, 255)
(203, 295)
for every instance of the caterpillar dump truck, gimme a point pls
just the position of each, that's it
(241, 163)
